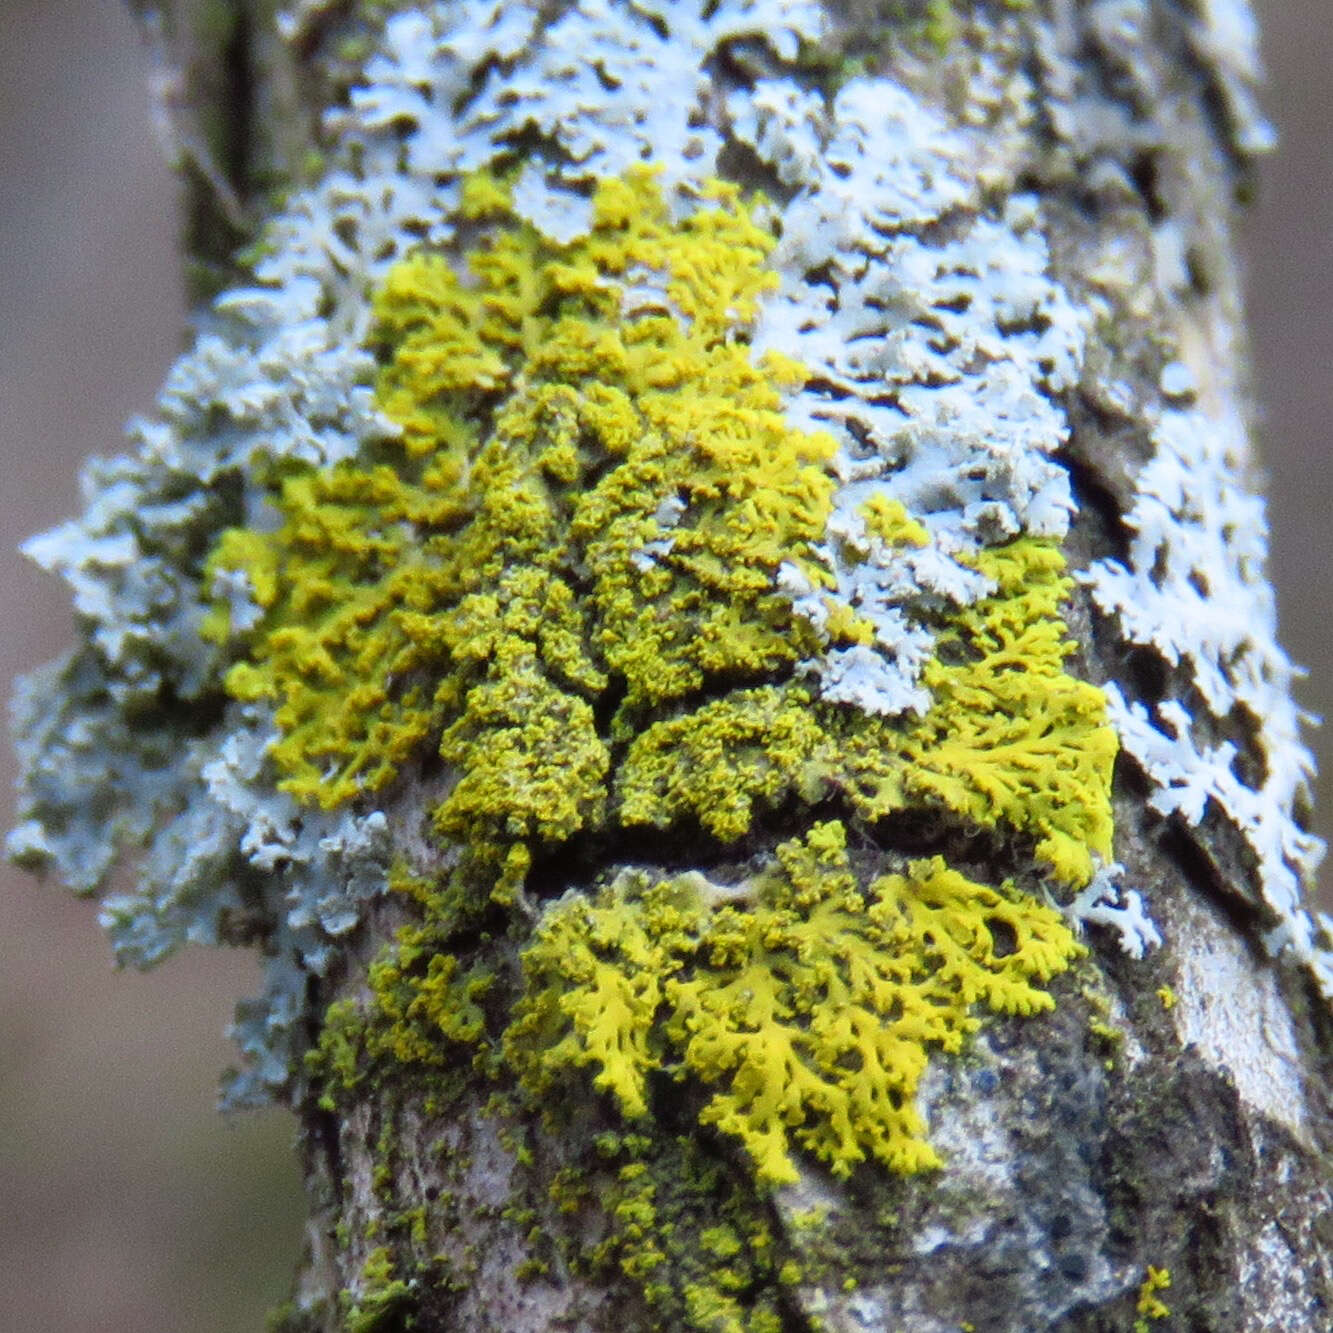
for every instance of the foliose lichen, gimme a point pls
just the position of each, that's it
(1192, 589)
(619, 505)
(564, 578)
(586, 508)
(809, 1000)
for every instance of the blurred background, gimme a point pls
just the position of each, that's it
(129, 1205)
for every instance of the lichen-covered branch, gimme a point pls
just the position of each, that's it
(699, 597)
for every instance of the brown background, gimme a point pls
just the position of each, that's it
(126, 1204)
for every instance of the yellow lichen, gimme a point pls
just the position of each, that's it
(888, 520)
(1150, 1305)
(1011, 739)
(811, 1010)
(589, 500)
(562, 578)
(717, 763)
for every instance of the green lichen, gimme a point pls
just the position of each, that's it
(942, 21)
(561, 579)
(808, 1000)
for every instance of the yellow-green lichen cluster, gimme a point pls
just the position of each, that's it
(701, 1249)
(586, 511)
(379, 1294)
(1150, 1305)
(807, 1000)
(562, 579)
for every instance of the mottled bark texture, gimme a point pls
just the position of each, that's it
(1171, 1112)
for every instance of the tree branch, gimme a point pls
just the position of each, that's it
(700, 598)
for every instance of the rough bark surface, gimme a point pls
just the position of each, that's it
(1172, 1112)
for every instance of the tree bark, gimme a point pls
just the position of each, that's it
(1167, 1119)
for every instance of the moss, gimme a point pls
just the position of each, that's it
(413, 1019)
(1107, 1040)
(290, 1317)
(942, 22)
(872, 28)
(563, 580)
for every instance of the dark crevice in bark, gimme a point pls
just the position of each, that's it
(1102, 529)
(325, 1130)
(1148, 673)
(237, 77)
(1144, 171)
(686, 845)
(739, 162)
(1204, 856)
